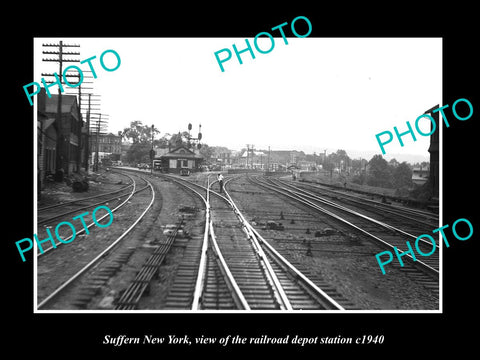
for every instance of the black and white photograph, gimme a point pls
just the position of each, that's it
(289, 205)
(287, 182)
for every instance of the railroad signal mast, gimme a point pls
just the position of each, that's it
(197, 139)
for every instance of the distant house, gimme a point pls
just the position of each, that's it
(180, 158)
(253, 159)
(109, 145)
(420, 175)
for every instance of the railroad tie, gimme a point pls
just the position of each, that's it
(97, 280)
(141, 284)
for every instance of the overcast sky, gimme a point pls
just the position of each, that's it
(312, 94)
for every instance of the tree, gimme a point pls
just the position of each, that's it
(358, 165)
(329, 166)
(180, 139)
(394, 163)
(338, 159)
(207, 152)
(139, 133)
(138, 153)
(402, 176)
(141, 137)
(379, 173)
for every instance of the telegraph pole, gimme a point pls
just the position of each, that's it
(63, 138)
(96, 142)
(100, 127)
(87, 142)
(152, 152)
(83, 140)
(89, 109)
(268, 160)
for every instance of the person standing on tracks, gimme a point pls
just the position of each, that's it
(220, 182)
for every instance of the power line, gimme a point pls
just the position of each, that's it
(63, 155)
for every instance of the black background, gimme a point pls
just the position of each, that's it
(60, 335)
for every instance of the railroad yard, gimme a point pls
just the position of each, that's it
(265, 243)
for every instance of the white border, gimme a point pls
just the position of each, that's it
(35, 284)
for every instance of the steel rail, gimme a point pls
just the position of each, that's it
(323, 187)
(258, 242)
(84, 207)
(134, 191)
(209, 234)
(356, 213)
(314, 206)
(82, 199)
(327, 301)
(279, 291)
(202, 267)
(99, 256)
(238, 297)
(304, 193)
(139, 285)
(396, 210)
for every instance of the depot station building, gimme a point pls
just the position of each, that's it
(177, 159)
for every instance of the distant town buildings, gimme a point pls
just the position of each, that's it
(59, 137)
(109, 146)
(420, 174)
(265, 160)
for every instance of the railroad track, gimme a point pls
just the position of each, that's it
(383, 234)
(106, 251)
(140, 285)
(213, 289)
(423, 220)
(76, 206)
(238, 269)
(47, 214)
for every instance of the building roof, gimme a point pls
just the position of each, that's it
(255, 153)
(47, 123)
(160, 151)
(68, 102)
(421, 169)
(182, 152)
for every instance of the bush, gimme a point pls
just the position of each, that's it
(358, 179)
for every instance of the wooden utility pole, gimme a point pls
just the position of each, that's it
(100, 126)
(63, 137)
(83, 128)
(96, 141)
(90, 107)
(268, 160)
